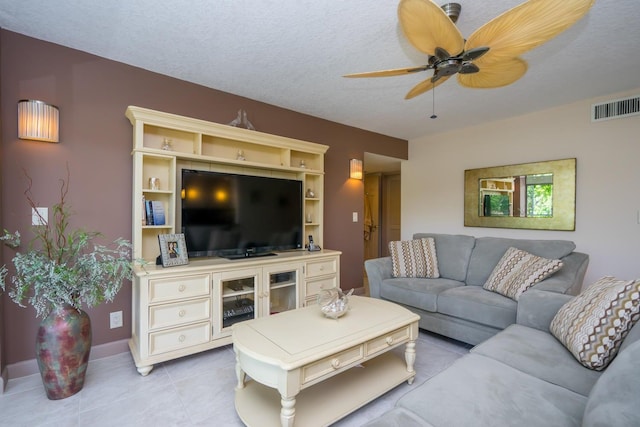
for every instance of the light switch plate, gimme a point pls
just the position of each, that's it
(39, 217)
(355, 217)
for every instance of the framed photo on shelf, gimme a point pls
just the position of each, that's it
(173, 250)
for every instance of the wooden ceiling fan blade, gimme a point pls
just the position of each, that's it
(392, 72)
(495, 74)
(425, 86)
(527, 26)
(428, 27)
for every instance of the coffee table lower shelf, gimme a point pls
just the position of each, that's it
(328, 401)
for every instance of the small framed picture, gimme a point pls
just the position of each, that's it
(173, 250)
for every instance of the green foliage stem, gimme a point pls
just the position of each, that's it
(62, 266)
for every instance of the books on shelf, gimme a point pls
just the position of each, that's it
(144, 211)
(154, 212)
(149, 214)
(157, 208)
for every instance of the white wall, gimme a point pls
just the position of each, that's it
(607, 183)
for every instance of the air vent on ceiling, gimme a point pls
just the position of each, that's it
(615, 109)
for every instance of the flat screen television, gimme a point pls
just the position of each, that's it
(236, 216)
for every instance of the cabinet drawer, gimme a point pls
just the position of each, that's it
(174, 288)
(330, 364)
(179, 338)
(322, 267)
(387, 340)
(313, 287)
(176, 314)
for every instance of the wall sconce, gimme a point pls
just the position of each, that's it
(355, 169)
(37, 121)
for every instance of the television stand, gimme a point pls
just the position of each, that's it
(249, 255)
(190, 308)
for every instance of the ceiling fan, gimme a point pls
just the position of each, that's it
(489, 58)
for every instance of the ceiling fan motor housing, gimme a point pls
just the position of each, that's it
(452, 10)
(448, 67)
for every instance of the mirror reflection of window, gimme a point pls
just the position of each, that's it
(519, 196)
(540, 195)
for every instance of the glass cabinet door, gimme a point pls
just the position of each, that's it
(281, 292)
(238, 298)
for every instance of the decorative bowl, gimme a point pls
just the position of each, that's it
(333, 302)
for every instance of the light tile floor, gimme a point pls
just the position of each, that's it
(193, 391)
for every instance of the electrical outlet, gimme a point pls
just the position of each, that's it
(115, 319)
(355, 216)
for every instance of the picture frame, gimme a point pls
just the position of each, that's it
(173, 249)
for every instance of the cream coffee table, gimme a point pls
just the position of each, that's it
(313, 370)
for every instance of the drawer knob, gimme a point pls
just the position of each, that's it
(181, 313)
(181, 338)
(181, 288)
(389, 340)
(322, 268)
(335, 363)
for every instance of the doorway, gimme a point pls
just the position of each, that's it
(382, 182)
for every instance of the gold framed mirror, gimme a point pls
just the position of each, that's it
(538, 196)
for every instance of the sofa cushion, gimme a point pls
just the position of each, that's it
(419, 293)
(614, 398)
(488, 251)
(593, 325)
(517, 271)
(479, 391)
(478, 305)
(538, 353)
(414, 258)
(453, 253)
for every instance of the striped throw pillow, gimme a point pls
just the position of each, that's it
(517, 271)
(414, 258)
(593, 325)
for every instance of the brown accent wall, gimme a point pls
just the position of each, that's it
(96, 139)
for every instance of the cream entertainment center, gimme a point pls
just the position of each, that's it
(185, 309)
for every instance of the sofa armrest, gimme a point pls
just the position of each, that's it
(568, 280)
(377, 270)
(536, 309)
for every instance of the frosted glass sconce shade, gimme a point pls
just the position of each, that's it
(37, 121)
(355, 169)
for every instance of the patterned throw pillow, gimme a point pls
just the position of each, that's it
(517, 271)
(593, 325)
(414, 258)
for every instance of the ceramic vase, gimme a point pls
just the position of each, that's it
(63, 345)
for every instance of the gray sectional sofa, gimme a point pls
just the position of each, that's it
(523, 376)
(455, 304)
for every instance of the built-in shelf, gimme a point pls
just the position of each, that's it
(191, 308)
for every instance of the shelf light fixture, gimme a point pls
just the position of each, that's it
(38, 121)
(355, 169)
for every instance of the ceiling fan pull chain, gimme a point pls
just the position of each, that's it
(433, 91)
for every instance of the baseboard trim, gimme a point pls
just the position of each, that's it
(30, 367)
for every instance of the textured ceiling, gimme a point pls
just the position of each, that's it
(292, 53)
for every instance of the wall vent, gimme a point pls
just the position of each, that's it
(615, 109)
